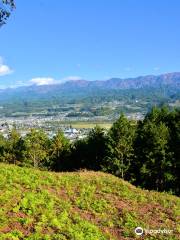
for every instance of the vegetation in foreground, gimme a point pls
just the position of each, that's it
(43, 205)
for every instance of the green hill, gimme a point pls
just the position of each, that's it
(83, 205)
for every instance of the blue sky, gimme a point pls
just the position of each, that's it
(47, 41)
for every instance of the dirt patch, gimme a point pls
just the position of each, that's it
(15, 226)
(86, 215)
(116, 233)
(61, 193)
(153, 214)
(120, 205)
(16, 215)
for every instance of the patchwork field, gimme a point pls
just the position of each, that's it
(90, 125)
(80, 206)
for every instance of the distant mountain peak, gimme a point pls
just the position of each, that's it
(153, 81)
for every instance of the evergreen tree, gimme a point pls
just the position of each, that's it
(120, 148)
(79, 154)
(89, 153)
(96, 150)
(173, 123)
(3, 143)
(155, 158)
(36, 145)
(59, 152)
(12, 147)
(170, 120)
(155, 170)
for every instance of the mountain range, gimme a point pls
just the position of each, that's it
(168, 81)
(171, 79)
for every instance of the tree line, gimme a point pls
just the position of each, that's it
(146, 153)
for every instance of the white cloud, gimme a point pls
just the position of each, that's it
(42, 81)
(4, 69)
(49, 80)
(71, 78)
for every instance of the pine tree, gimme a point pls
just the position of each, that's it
(96, 150)
(36, 144)
(3, 143)
(120, 148)
(12, 153)
(154, 155)
(59, 152)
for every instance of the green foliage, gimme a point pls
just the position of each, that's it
(145, 153)
(156, 147)
(85, 205)
(120, 147)
(2, 147)
(11, 148)
(96, 148)
(35, 151)
(90, 152)
(156, 159)
(6, 6)
(59, 152)
(99, 102)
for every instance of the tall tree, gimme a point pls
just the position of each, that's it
(156, 163)
(59, 152)
(170, 119)
(173, 122)
(36, 145)
(12, 148)
(79, 154)
(3, 143)
(120, 147)
(89, 153)
(96, 150)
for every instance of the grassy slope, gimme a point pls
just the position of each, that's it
(82, 205)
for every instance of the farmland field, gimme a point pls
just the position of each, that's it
(80, 125)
